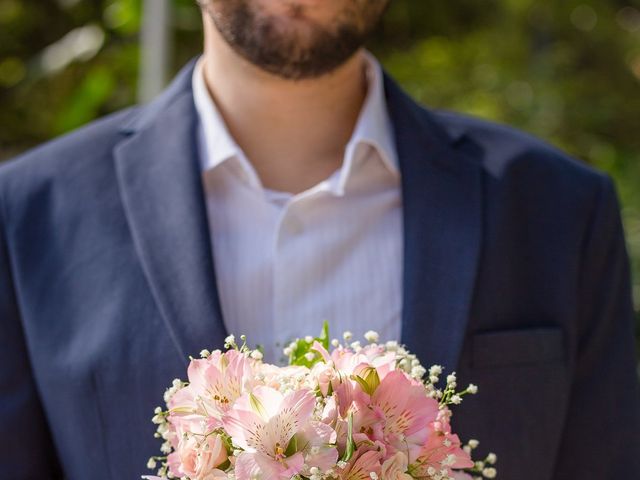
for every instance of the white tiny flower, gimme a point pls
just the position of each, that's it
(287, 351)
(205, 353)
(456, 399)
(473, 443)
(157, 419)
(431, 471)
(256, 355)
(158, 410)
(177, 383)
(166, 448)
(165, 431)
(473, 389)
(492, 458)
(314, 470)
(489, 472)
(371, 336)
(341, 464)
(373, 475)
(309, 356)
(447, 442)
(151, 464)
(347, 335)
(231, 339)
(335, 342)
(451, 379)
(449, 460)
(356, 345)
(308, 339)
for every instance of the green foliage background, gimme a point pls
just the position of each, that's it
(568, 71)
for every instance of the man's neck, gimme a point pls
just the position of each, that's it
(293, 132)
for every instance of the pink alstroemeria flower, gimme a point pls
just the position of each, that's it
(197, 457)
(460, 476)
(345, 361)
(403, 413)
(220, 379)
(214, 384)
(441, 451)
(262, 423)
(316, 440)
(365, 461)
(395, 467)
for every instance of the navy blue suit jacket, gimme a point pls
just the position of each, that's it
(515, 275)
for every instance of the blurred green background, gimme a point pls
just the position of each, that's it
(567, 71)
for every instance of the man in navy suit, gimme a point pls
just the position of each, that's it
(512, 264)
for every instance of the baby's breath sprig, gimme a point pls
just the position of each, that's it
(481, 468)
(230, 343)
(160, 418)
(176, 385)
(452, 397)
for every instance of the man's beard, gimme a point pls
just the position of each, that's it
(297, 48)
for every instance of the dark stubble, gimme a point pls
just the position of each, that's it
(289, 50)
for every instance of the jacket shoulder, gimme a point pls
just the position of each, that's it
(87, 144)
(506, 150)
(78, 159)
(523, 166)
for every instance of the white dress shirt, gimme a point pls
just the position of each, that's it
(284, 262)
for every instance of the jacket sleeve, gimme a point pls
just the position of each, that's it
(26, 449)
(601, 439)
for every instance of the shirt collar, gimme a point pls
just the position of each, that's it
(374, 125)
(216, 142)
(373, 128)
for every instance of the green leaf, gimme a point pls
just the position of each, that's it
(324, 335)
(351, 445)
(303, 347)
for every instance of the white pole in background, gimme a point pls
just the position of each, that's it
(154, 48)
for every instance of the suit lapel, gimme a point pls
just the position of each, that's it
(442, 199)
(163, 198)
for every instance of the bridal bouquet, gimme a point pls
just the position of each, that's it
(341, 412)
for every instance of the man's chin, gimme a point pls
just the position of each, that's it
(294, 39)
